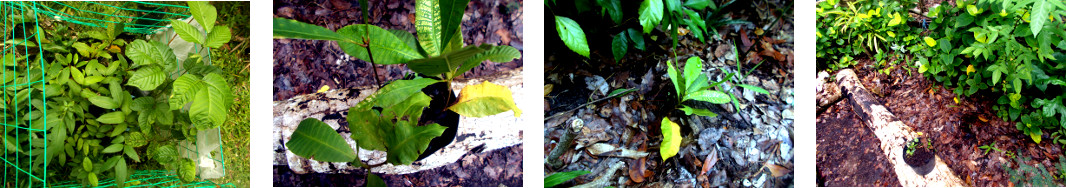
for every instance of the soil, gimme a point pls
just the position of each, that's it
(958, 129)
(921, 159)
(734, 149)
(304, 66)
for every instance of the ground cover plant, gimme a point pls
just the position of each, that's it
(999, 56)
(400, 118)
(116, 102)
(659, 117)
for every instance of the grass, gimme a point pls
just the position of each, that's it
(233, 59)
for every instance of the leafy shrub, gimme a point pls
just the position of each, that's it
(851, 29)
(388, 119)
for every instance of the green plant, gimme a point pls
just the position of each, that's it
(692, 84)
(1030, 175)
(850, 29)
(389, 119)
(112, 106)
(562, 177)
(990, 147)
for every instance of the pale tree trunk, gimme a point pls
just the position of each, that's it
(893, 135)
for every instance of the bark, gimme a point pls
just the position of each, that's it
(893, 135)
(828, 94)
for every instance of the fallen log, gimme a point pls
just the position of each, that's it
(893, 135)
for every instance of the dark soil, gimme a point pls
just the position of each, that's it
(633, 120)
(488, 169)
(921, 158)
(957, 130)
(304, 66)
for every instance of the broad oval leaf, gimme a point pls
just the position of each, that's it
(710, 96)
(427, 25)
(149, 52)
(651, 13)
(103, 102)
(187, 170)
(896, 19)
(187, 32)
(485, 99)
(451, 18)
(445, 62)
(286, 28)
(135, 139)
(671, 139)
(92, 179)
(217, 37)
(147, 78)
(120, 172)
(165, 154)
(408, 141)
(387, 48)
(209, 106)
(315, 140)
(184, 89)
(572, 35)
(204, 13)
(619, 45)
(562, 177)
(498, 54)
(1041, 8)
(395, 92)
(113, 148)
(366, 127)
(87, 164)
(929, 41)
(112, 118)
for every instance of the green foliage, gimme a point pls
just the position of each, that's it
(562, 177)
(388, 119)
(572, 35)
(1029, 175)
(692, 84)
(317, 140)
(849, 29)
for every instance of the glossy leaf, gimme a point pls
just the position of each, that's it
(409, 141)
(929, 41)
(211, 103)
(445, 62)
(286, 28)
(756, 89)
(651, 13)
(1041, 9)
(204, 13)
(93, 179)
(103, 102)
(387, 48)
(497, 54)
(147, 78)
(187, 32)
(451, 18)
(572, 35)
(395, 92)
(112, 118)
(113, 148)
(697, 4)
(218, 37)
(427, 25)
(693, 70)
(562, 177)
(619, 45)
(86, 164)
(636, 37)
(672, 73)
(485, 99)
(710, 96)
(315, 140)
(184, 89)
(612, 8)
(671, 139)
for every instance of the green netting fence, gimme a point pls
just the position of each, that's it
(24, 100)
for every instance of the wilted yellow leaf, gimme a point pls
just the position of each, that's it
(970, 69)
(485, 99)
(671, 139)
(323, 89)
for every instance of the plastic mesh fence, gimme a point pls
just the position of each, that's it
(23, 99)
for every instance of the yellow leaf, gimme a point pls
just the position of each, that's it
(956, 100)
(485, 99)
(323, 89)
(891, 34)
(970, 69)
(548, 89)
(1003, 13)
(671, 139)
(929, 41)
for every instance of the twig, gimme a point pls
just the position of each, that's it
(564, 143)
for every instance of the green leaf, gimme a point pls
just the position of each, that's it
(135, 139)
(427, 25)
(406, 37)
(367, 128)
(702, 112)
(896, 19)
(395, 92)
(636, 37)
(612, 8)
(147, 78)
(485, 99)
(409, 141)
(1041, 8)
(387, 48)
(373, 180)
(672, 73)
(756, 89)
(498, 54)
(209, 107)
(697, 4)
(619, 45)
(120, 172)
(451, 18)
(446, 62)
(187, 170)
(118, 129)
(9, 59)
(411, 107)
(671, 139)
(87, 164)
(165, 154)
(710, 96)
(184, 90)
(217, 37)
(113, 148)
(77, 75)
(315, 140)
(572, 35)
(92, 179)
(103, 102)
(132, 153)
(187, 32)
(286, 28)
(149, 52)
(693, 70)
(651, 13)
(204, 14)
(562, 177)
(112, 118)
(929, 41)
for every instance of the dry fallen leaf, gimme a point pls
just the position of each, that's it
(505, 36)
(983, 119)
(709, 162)
(777, 171)
(548, 89)
(636, 171)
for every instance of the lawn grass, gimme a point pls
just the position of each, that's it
(233, 58)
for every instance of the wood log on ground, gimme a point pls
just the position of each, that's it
(828, 93)
(893, 135)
